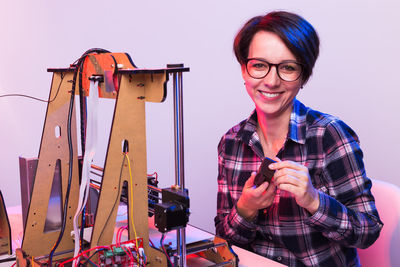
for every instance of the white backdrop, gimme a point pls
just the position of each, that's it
(356, 76)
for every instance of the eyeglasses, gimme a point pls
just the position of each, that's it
(288, 71)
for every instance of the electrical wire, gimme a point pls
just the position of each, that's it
(11, 258)
(35, 98)
(90, 151)
(129, 253)
(82, 108)
(71, 157)
(155, 174)
(83, 219)
(152, 244)
(91, 256)
(118, 238)
(96, 182)
(98, 248)
(131, 212)
(83, 120)
(95, 186)
(163, 248)
(80, 62)
(89, 261)
(115, 201)
(131, 199)
(118, 243)
(141, 252)
(88, 187)
(69, 134)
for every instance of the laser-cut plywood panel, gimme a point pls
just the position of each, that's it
(36, 242)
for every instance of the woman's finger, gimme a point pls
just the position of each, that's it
(287, 164)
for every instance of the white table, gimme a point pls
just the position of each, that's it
(193, 234)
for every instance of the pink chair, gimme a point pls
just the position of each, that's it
(385, 252)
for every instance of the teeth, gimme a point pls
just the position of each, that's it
(268, 94)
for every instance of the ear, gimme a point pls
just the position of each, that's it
(244, 71)
(302, 84)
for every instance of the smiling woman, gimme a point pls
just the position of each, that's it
(272, 95)
(318, 206)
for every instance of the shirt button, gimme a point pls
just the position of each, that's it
(279, 258)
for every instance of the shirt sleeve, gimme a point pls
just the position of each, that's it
(347, 212)
(228, 223)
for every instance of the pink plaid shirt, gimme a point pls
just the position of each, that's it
(346, 218)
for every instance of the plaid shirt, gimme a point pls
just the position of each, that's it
(346, 217)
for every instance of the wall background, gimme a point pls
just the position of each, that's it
(355, 78)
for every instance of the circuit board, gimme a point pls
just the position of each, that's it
(125, 254)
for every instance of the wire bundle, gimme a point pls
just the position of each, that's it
(118, 243)
(79, 67)
(84, 253)
(90, 150)
(163, 248)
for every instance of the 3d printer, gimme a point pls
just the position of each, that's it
(60, 176)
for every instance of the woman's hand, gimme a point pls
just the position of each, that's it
(295, 178)
(254, 198)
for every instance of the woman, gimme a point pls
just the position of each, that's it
(318, 208)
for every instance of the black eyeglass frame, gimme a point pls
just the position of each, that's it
(276, 67)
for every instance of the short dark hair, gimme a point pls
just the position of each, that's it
(298, 35)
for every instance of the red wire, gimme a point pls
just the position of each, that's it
(167, 256)
(152, 243)
(118, 240)
(154, 174)
(83, 253)
(128, 250)
(118, 243)
(122, 230)
(162, 245)
(95, 186)
(118, 237)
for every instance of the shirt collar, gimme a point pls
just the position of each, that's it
(297, 123)
(248, 128)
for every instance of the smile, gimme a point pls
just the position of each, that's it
(269, 95)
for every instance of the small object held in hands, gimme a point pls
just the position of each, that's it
(264, 173)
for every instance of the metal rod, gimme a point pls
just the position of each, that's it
(159, 190)
(98, 168)
(97, 174)
(181, 133)
(183, 244)
(158, 198)
(55, 254)
(179, 157)
(204, 247)
(182, 169)
(178, 130)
